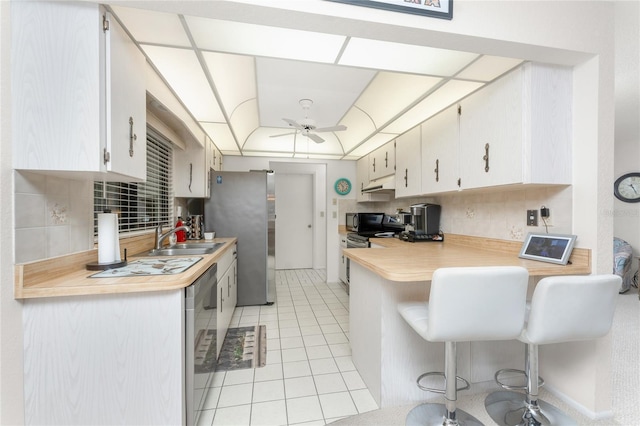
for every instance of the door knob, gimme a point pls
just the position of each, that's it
(308, 226)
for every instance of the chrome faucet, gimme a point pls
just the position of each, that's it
(160, 236)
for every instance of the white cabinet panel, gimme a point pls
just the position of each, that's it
(74, 88)
(518, 129)
(227, 293)
(126, 125)
(440, 151)
(382, 161)
(192, 168)
(408, 164)
(116, 359)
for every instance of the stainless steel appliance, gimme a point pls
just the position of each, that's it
(242, 205)
(425, 218)
(351, 221)
(200, 340)
(196, 227)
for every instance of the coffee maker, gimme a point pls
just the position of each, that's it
(425, 219)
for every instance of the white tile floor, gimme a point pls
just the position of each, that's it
(308, 377)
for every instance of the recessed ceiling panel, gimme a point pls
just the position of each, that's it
(181, 69)
(234, 77)
(390, 56)
(262, 140)
(282, 83)
(359, 126)
(261, 40)
(221, 136)
(488, 68)
(391, 93)
(153, 27)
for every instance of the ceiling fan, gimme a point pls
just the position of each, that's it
(307, 126)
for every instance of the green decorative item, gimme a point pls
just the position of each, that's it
(343, 186)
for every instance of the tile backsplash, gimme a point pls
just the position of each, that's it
(494, 214)
(53, 216)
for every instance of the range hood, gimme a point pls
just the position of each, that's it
(382, 185)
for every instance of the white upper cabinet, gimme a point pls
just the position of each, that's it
(192, 167)
(382, 161)
(408, 164)
(362, 180)
(440, 152)
(518, 129)
(78, 93)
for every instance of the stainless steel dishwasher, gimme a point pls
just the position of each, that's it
(200, 341)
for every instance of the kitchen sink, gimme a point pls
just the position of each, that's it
(196, 245)
(186, 249)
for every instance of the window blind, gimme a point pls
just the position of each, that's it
(140, 205)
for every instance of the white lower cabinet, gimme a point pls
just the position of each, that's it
(108, 358)
(227, 293)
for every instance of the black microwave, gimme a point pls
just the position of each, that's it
(363, 222)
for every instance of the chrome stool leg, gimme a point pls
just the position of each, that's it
(509, 408)
(447, 414)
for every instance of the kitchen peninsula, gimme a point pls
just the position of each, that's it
(386, 351)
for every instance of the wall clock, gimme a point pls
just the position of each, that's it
(343, 186)
(627, 188)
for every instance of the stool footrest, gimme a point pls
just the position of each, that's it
(512, 387)
(436, 390)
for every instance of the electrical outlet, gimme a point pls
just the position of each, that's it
(532, 217)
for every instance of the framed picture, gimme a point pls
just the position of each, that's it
(442, 9)
(553, 248)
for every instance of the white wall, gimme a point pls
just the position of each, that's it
(627, 126)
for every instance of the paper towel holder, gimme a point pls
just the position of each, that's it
(95, 266)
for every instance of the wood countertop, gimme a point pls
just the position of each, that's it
(68, 276)
(403, 261)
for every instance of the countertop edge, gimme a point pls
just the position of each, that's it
(77, 282)
(399, 262)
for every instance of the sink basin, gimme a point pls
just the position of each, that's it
(185, 249)
(196, 245)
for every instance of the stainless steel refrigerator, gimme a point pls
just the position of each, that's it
(242, 205)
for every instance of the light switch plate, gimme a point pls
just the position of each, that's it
(532, 217)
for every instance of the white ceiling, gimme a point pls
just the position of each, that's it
(239, 88)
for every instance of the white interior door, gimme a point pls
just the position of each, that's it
(294, 221)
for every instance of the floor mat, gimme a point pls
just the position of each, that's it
(243, 347)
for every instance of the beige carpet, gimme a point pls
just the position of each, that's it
(625, 381)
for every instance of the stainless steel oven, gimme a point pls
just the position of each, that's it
(200, 341)
(354, 241)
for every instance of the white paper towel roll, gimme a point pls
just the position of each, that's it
(108, 242)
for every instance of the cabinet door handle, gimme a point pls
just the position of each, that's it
(386, 160)
(406, 178)
(132, 137)
(437, 170)
(374, 165)
(228, 286)
(190, 175)
(486, 158)
(221, 300)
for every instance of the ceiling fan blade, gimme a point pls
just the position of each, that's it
(293, 123)
(331, 129)
(282, 134)
(315, 138)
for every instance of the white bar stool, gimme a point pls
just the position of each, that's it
(562, 309)
(465, 304)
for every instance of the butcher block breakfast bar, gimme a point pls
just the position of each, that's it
(388, 354)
